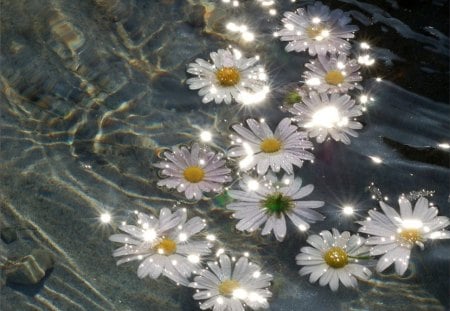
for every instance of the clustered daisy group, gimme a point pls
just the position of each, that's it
(268, 193)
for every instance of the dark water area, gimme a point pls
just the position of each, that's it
(93, 90)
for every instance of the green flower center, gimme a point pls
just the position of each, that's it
(277, 203)
(292, 98)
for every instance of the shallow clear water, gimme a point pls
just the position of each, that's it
(92, 90)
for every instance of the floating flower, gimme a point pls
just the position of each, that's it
(394, 235)
(229, 76)
(163, 245)
(334, 74)
(263, 148)
(269, 204)
(334, 257)
(322, 115)
(194, 171)
(318, 30)
(225, 288)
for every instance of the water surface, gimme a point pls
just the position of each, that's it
(92, 90)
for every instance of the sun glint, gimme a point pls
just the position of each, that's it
(326, 117)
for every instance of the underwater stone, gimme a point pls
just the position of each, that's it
(196, 16)
(114, 9)
(30, 269)
(8, 234)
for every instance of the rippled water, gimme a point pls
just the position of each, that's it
(92, 90)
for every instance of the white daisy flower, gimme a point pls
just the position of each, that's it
(230, 76)
(318, 30)
(270, 202)
(227, 289)
(163, 245)
(322, 115)
(334, 258)
(334, 74)
(394, 235)
(261, 148)
(194, 171)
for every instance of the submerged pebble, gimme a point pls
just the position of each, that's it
(30, 269)
(8, 234)
(196, 16)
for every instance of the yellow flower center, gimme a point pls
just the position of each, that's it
(228, 76)
(334, 77)
(411, 235)
(270, 145)
(227, 287)
(336, 257)
(166, 247)
(314, 32)
(194, 174)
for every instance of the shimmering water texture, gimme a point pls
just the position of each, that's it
(99, 97)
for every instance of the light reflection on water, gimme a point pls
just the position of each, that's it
(92, 91)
